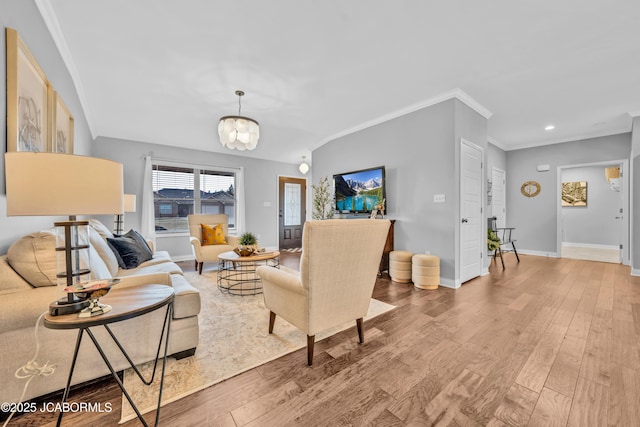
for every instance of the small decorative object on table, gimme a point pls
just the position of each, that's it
(247, 244)
(93, 291)
(379, 208)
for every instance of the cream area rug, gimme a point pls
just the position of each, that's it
(234, 338)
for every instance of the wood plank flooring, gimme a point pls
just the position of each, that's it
(546, 342)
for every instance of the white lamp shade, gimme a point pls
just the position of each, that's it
(129, 203)
(53, 184)
(238, 132)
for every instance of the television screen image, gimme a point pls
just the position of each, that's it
(359, 191)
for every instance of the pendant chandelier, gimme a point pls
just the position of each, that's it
(238, 132)
(304, 167)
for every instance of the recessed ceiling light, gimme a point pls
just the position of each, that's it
(549, 127)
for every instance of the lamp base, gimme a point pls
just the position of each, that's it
(95, 309)
(64, 306)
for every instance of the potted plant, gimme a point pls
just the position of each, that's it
(493, 241)
(247, 244)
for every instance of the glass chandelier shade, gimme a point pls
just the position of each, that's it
(304, 167)
(239, 132)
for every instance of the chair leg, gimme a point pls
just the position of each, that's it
(360, 326)
(272, 321)
(196, 267)
(514, 251)
(310, 341)
(501, 257)
(200, 268)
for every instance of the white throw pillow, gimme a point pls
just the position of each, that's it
(34, 258)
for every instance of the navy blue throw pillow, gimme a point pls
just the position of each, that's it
(131, 249)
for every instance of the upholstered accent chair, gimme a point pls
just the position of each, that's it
(338, 269)
(209, 253)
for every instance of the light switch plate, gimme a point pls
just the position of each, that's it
(439, 198)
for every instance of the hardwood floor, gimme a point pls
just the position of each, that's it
(545, 342)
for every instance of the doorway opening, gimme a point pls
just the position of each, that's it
(593, 205)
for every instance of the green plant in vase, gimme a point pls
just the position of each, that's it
(247, 244)
(493, 241)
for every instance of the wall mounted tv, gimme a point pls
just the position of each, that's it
(359, 191)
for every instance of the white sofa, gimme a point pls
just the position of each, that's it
(25, 296)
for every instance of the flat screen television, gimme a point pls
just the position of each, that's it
(359, 191)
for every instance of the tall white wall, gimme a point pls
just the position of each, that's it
(24, 17)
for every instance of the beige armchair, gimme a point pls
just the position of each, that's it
(338, 269)
(209, 253)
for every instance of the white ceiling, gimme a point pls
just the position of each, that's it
(164, 71)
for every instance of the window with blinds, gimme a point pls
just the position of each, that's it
(182, 191)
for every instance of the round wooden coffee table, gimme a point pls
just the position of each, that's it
(237, 274)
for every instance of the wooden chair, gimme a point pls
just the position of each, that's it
(338, 269)
(506, 238)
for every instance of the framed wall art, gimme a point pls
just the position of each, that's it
(574, 193)
(29, 95)
(62, 129)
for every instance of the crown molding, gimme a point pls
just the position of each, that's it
(500, 145)
(53, 25)
(457, 93)
(573, 138)
(472, 103)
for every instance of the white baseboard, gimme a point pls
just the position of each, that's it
(182, 258)
(591, 246)
(538, 253)
(448, 283)
(635, 272)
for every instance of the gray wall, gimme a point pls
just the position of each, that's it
(536, 218)
(595, 223)
(635, 197)
(261, 185)
(418, 151)
(23, 16)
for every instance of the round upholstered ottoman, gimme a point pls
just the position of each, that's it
(400, 266)
(425, 271)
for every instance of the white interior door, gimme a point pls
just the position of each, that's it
(471, 241)
(498, 199)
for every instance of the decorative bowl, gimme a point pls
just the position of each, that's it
(244, 250)
(93, 289)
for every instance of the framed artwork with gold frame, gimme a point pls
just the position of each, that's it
(29, 98)
(62, 129)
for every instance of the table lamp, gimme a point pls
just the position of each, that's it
(129, 206)
(56, 184)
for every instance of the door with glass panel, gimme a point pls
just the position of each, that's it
(292, 211)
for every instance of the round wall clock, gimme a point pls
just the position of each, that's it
(530, 189)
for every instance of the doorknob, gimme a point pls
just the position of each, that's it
(464, 220)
